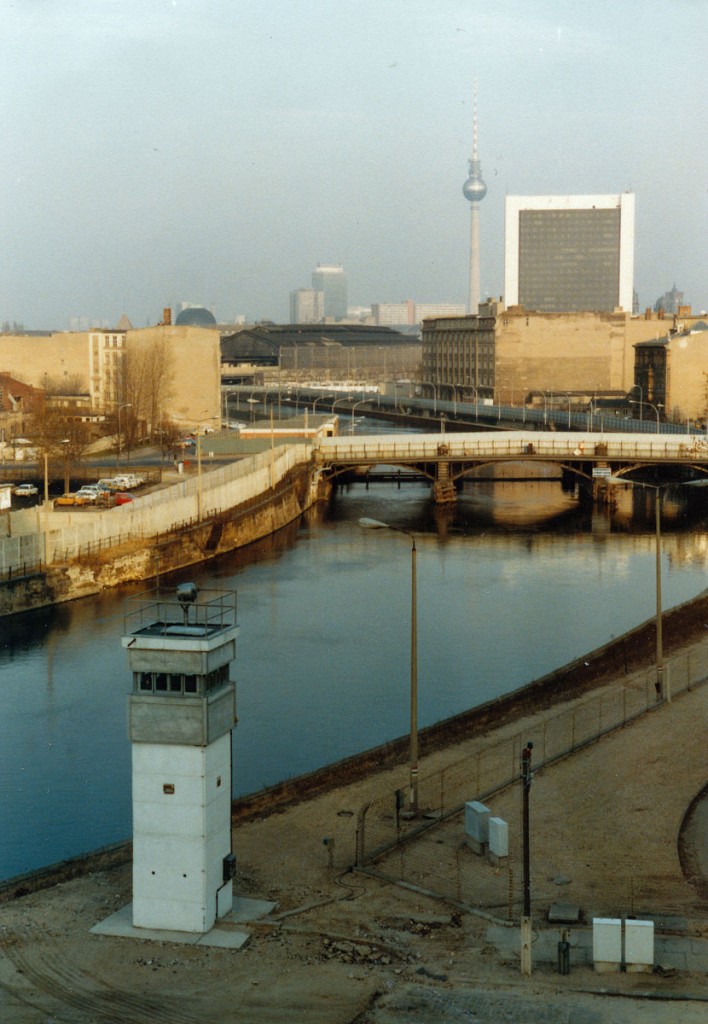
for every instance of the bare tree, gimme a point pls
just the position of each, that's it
(60, 440)
(145, 386)
(71, 384)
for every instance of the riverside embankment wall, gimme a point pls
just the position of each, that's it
(179, 525)
(52, 535)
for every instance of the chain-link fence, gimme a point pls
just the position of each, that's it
(428, 851)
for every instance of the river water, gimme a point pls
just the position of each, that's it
(517, 583)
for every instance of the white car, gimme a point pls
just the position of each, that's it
(25, 491)
(88, 493)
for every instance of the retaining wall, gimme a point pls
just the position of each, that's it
(52, 536)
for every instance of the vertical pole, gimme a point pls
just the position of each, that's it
(526, 915)
(199, 475)
(659, 623)
(414, 683)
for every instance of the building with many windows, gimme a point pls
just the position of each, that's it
(459, 352)
(511, 352)
(306, 306)
(566, 254)
(671, 375)
(412, 314)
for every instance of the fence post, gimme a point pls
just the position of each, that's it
(360, 834)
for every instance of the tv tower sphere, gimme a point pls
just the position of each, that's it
(474, 188)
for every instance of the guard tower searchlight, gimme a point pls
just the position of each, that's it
(181, 711)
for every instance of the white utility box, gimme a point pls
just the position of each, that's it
(639, 946)
(498, 849)
(607, 944)
(476, 825)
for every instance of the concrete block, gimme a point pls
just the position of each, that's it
(639, 946)
(606, 944)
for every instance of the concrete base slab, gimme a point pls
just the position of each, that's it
(224, 934)
(243, 909)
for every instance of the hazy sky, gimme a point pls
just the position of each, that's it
(213, 151)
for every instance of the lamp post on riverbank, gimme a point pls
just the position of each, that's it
(127, 405)
(662, 685)
(376, 524)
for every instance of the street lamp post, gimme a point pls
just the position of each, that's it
(376, 524)
(656, 410)
(526, 778)
(321, 398)
(363, 401)
(662, 684)
(127, 405)
(66, 443)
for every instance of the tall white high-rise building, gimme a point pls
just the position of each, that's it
(567, 254)
(474, 190)
(332, 281)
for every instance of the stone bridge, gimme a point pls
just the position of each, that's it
(445, 459)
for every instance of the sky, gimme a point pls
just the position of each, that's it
(212, 152)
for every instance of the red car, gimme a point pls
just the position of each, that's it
(121, 498)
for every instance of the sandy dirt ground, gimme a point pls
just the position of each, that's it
(344, 947)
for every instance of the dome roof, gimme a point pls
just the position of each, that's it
(196, 316)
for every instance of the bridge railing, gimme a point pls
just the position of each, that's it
(568, 446)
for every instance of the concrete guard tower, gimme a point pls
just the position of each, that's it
(181, 711)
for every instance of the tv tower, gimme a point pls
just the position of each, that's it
(474, 190)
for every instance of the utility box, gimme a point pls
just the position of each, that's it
(498, 849)
(606, 944)
(477, 825)
(639, 947)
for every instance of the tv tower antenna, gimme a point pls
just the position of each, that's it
(474, 190)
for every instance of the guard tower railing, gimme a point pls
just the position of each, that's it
(203, 611)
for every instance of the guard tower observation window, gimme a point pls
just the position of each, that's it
(178, 683)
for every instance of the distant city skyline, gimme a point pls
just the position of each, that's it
(137, 172)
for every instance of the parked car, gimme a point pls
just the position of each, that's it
(71, 499)
(109, 484)
(127, 481)
(89, 493)
(25, 490)
(122, 498)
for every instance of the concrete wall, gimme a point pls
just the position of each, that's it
(687, 377)
(585, 351)
(33, 535)
(31, 358)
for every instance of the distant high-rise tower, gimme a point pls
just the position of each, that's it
(474, 190)
(333, 282)
(306, 306)
(569, 254)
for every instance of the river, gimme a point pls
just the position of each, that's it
(517, 582)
